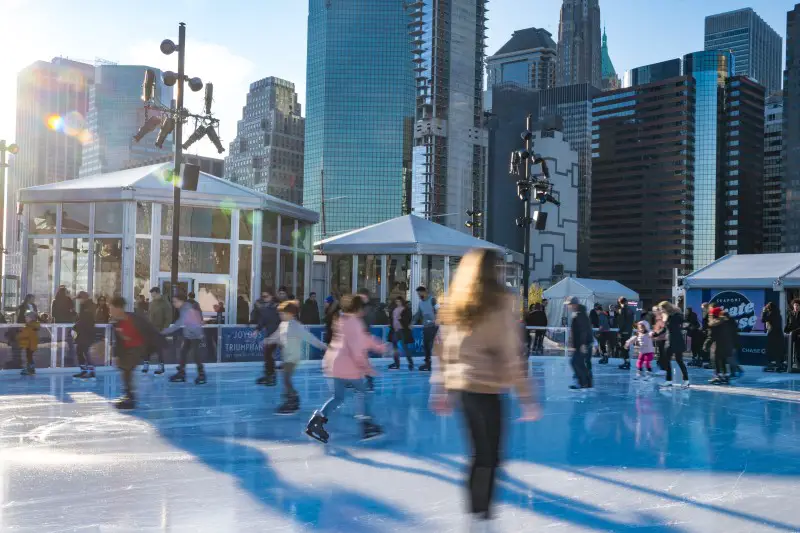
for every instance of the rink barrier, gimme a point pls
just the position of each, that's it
(229, 343)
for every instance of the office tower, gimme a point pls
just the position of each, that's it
(642, 178)
(773, 175)
(791, 132)
(579, 49)
(450, 140)
(755, 46)
(359, 113)
(528, 58)
(610, 80)
(652, 73)
(115, 113)
(52, 104)
(267, 154)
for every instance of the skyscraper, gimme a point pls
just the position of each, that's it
(528, 58)
(773, 175)
(652, 73)
(610, 80)
(115, 113)
(756, 47)
(450, 140)
(52, 104)
(359, 112)
(791, 132)
(267, 154)
(579, 47)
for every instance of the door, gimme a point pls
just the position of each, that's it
(186, 285)
(211, 293)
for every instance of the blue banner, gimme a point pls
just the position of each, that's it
(743, 305)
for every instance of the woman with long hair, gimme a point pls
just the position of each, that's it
(400, 333)
(776, 344)
(676, 343)
(479, 362)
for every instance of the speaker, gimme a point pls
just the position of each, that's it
(540, 219)
(190, 174)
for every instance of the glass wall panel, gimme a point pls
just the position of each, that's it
(198, 222)
(75, 219)
(399, 276)
(107, 267)
(75, 265)
(141, 269)
(287, 271)
(108, 217)
(432, 275)
(301, 274)
(41, 258)
(245, 225)
(243, 283)
(269, 264)
(144, 220)
(341, 274)
(269, 228)
(287, 231)
(42, 219)
(198, 257)
(369, 274)
(303, 236)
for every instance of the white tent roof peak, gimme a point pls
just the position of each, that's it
(595, 287)
(151, 183)
(747, 271)
(407, 234)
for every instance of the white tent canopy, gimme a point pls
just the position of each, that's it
(753, 271)
(408, 234)
(588, 291)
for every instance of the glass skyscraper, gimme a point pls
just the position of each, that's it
(791, 134)
(710, 71)
(359, 113)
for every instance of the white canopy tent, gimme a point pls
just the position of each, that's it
(588, 291)
(754, 271)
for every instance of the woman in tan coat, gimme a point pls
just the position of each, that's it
(479, 362)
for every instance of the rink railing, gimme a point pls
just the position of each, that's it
(229, 343)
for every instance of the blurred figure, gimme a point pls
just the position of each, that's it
(676, 343)
(190, 325)
(604, 338)
(479, 362)
(28, 340)
(141, 306)
(426, 315)
(63, 312)
(85, 335)
(331, 313)
(581, 340)
(537, 318)
(309, 314)
(793, 329)
(400, 333)
(266, 318)
(719, 344)
(160, 314)
(625, 325)
(102, 313)
(242, 310)
(776, 345)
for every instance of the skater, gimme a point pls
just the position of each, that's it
(426, 315)
(135, 336)
(646, 349)
(625, 325)
(793, 329)
(309, 314)
(676, 343)
(538, 319)
(63, 312)
(479, 362)
(400, 334)
(265, 316)
(660, 341)
(695, 335)
(103, 313)
(733, 360)
(603, 334)
(190, 324)
(85, 335)
(292, 337)
(28, 340)
(582, 339)
(776, 345)
(347, 362)
(160, 314)
(331, 311)
(719, 344)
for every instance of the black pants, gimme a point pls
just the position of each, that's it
(666, 364)
(661, 351)
(581, 364)
(483, 414)
(127, 360)
(400, 346)
(538, 340)
(720, 362)
(83, 354)
(428, 337)
(606, 341)
(269, 360)
(623, 351)
(191, 346)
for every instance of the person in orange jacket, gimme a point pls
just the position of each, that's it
(28, 340)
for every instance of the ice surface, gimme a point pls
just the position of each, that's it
(215, 458)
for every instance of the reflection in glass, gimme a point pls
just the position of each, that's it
(245, 225)
(42, 219)
(269, 228)
(144, 221)
(199, 257)
(75, 219)
(107, 267)
(369, 274)
(243, 283)
(287, 230)
(303, 236)
(301, 274)
(142, 269)
(198, 222)
(41, 256)
(108, 217)
(287, 271)
(269, 264)
(341, 274)
(432, 275)
(75, 265)
(399, 276)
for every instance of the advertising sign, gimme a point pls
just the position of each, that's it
(744, 305)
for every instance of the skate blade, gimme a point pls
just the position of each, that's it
(292, 413)
(373, 438)
(314, 437)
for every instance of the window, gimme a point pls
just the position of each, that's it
(198, 222)
(287, 230)
(269, 228)
(144, 211)
(200, 257)
(108, 267)
(42, 219)
(245, 225)
(108, 218)
(75, 219)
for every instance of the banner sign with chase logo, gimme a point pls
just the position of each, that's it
(744, 307)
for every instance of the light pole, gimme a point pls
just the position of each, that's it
(12, 149)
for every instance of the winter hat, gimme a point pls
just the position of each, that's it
(715, 312)
(329, 300)
(573, 300)
(646, 325)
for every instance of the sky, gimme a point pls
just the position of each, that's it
(236, 42)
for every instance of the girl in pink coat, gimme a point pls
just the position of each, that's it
(347, 362)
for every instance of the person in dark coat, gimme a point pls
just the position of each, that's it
(309, 313)
(63, 312)
(85, 335)
(537, 318)
(400, 333)
(581, 340)
(331, 312)
(776, 346)
(793, 327)
(676, 343)
(694, 334)
(625, 325)
(242, 310)
(102, 313)
(736, 346)
(719, 343)
(266, 318)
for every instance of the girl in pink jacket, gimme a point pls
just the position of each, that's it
(347, 362)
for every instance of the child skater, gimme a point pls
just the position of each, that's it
(347, 362)
(646, 349)
(28, 340)
(292, 336)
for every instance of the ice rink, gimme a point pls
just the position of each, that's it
(215, 458)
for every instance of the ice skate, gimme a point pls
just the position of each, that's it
(665, 385)
(289, 407)
(685, 384)
(145, 367)
(426, 367)
(160, 370)
(370, 431)
(410, 365)
(125, 403)
(268, 380)
(201, 378)
(603, 360)
(179, 377)
(316, 428)
(626, 365)
(394, 366)
(638, 376)
(82, 374)
(28, 371)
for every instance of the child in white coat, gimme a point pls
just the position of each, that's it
(643, 340)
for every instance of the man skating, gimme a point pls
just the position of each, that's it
(160, 314)
(85, 335)
(266, 318)
(625, 324)
(190, 323)
(426, 315)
